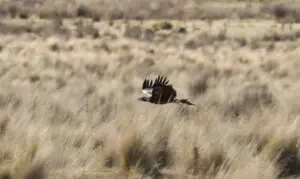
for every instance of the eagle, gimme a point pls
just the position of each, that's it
(160, 92)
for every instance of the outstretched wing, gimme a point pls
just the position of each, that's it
(161, 91)
(160, 81)
(148, 85)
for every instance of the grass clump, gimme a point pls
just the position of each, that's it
(251, 98)
(205, 163)
(25, 166)
(134, 154)
(285, 151)
(162, 26)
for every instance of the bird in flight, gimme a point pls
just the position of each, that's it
(160, 92)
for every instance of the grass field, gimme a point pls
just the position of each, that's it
(71, 73)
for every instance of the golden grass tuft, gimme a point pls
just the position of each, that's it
(206, 163)
(133, 153)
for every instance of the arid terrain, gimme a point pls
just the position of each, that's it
(72, 71)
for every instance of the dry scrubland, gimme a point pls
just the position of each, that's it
(69, 87)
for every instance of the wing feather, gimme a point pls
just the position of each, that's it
(160, 81)
(147, 87)
(159, 90)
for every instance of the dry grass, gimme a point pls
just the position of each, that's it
(287, 10)
(69, 89)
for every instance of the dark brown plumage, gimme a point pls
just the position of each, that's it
(160, 92)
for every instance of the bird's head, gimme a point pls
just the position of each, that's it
(144, 98)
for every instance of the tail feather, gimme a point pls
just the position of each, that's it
(184, 101)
